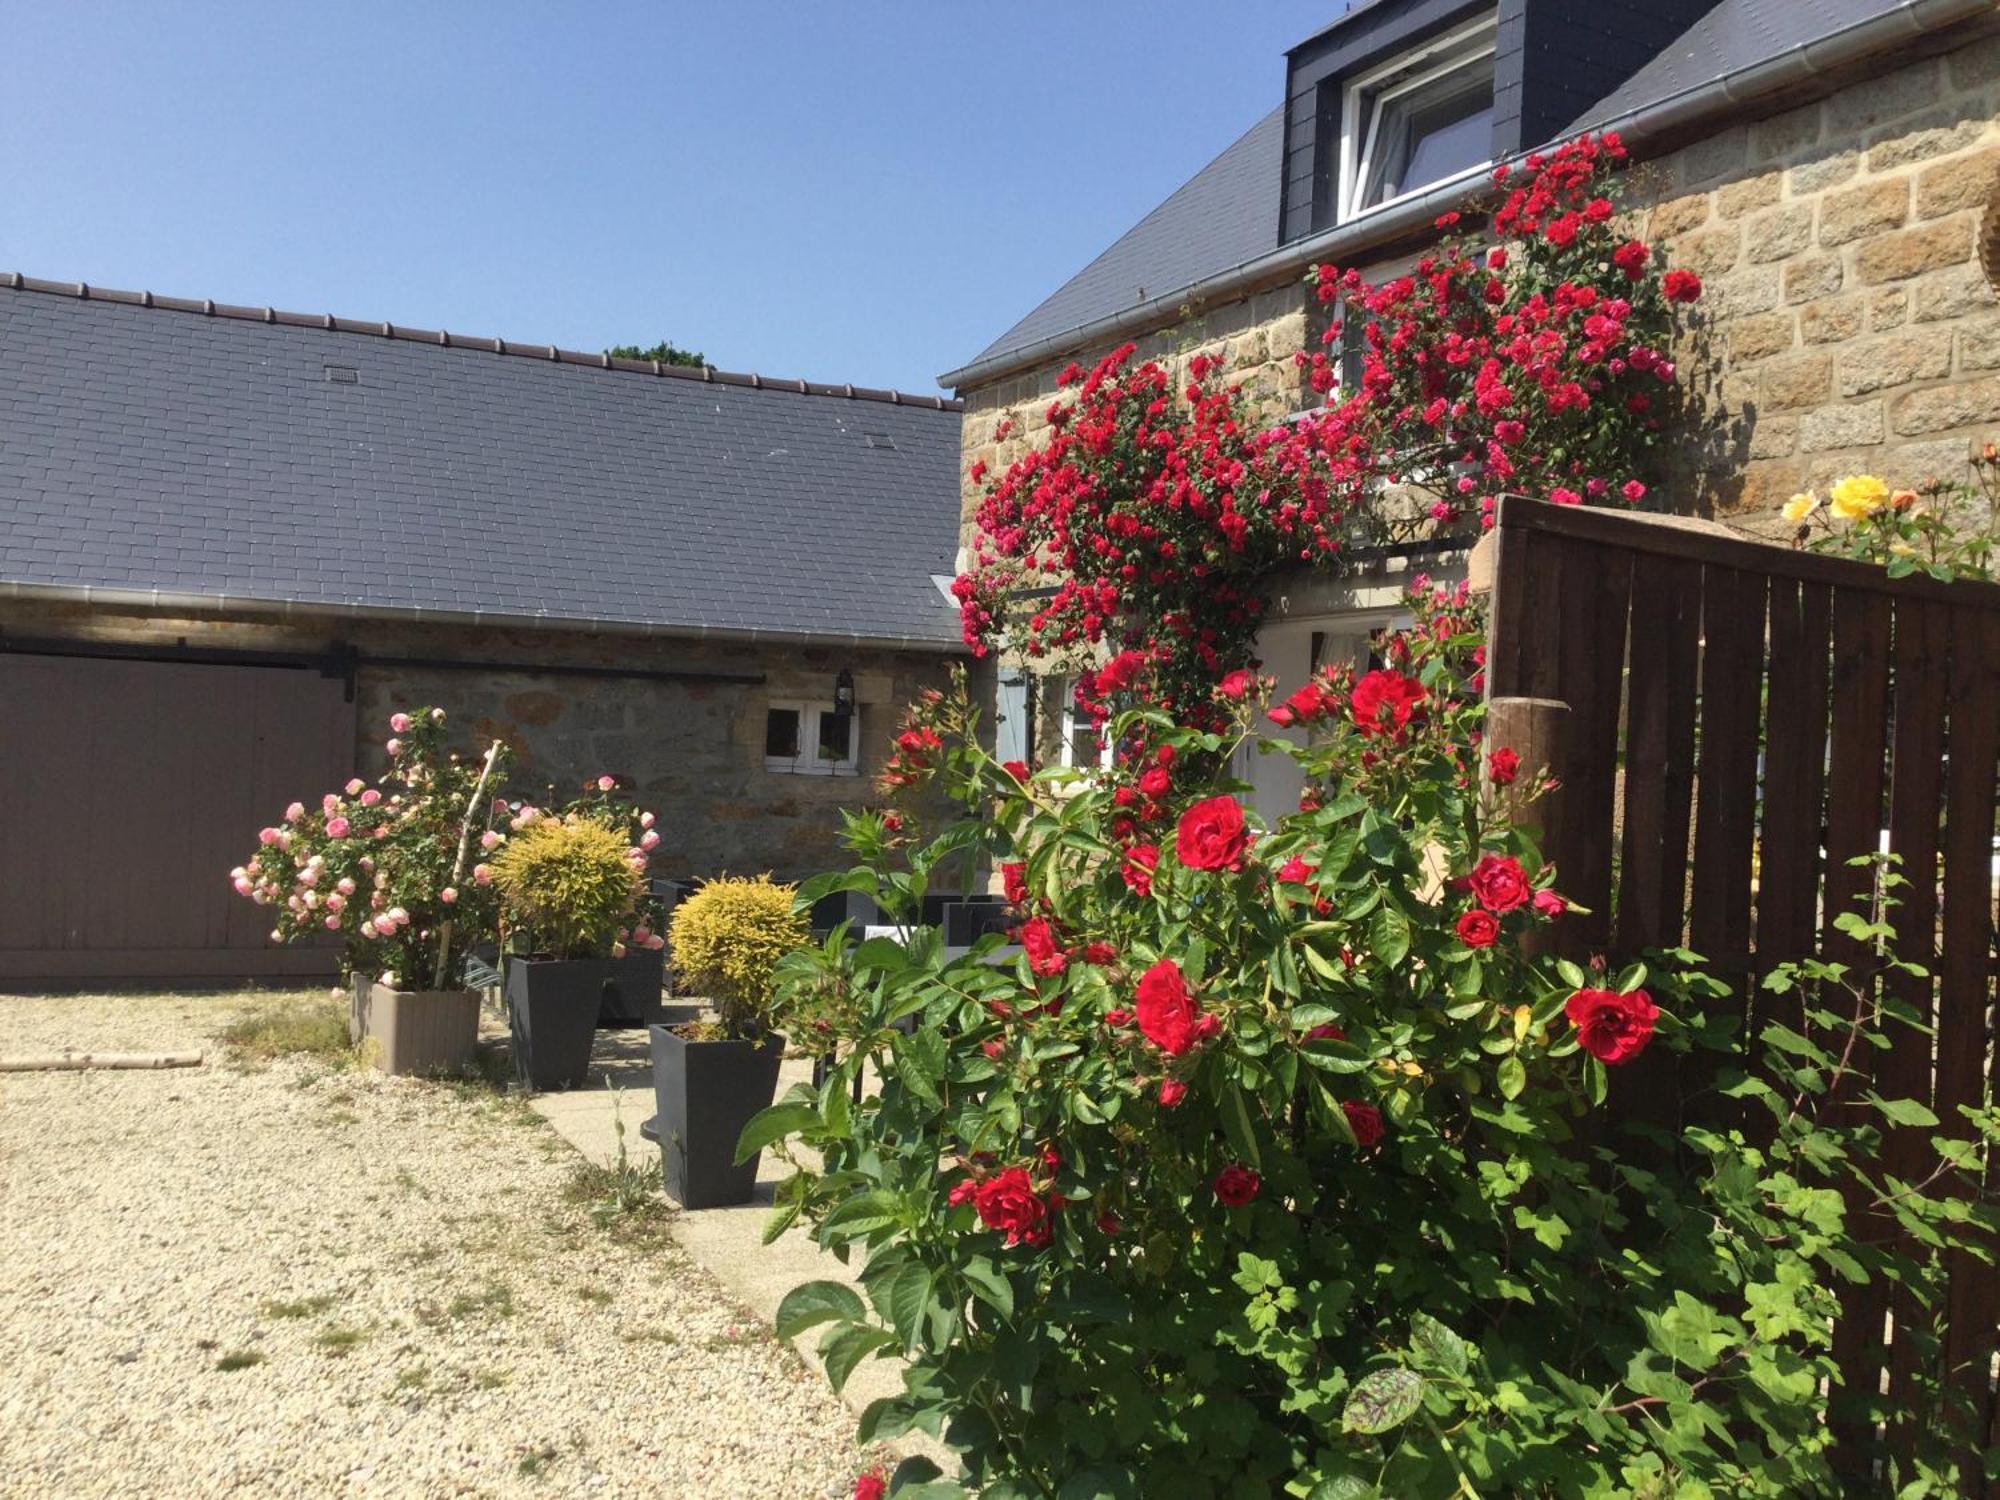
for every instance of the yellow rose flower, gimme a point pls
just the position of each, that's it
(1800, 506)
(1858, 495)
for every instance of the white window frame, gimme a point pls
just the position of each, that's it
(1072, 724)
(1452, 51)
(807, 761)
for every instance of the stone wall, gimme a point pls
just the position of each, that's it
(1260, 336)
(1848, 325)
(694, 748)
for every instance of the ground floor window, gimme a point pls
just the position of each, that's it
(805, 739)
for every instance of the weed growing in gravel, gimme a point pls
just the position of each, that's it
(649, 1336)
(623, 1197)
(289, 1028)
(496, 1301)
(596, 1294)
(416, 1378)
(239, 1359)
(338, 1340)
(304, 1307)
(535, 1460)
(491, 1380)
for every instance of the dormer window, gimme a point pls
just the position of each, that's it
(1422, 118)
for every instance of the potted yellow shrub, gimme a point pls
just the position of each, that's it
(710, 1077)
(568, 887)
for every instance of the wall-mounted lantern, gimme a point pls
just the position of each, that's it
(843, 694)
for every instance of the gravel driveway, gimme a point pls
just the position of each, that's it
(280, 1280)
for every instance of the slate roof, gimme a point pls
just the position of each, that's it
(1222, 216)
(1228, 212)
(222, 456)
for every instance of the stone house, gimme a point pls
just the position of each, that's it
(233, 541)
(1826, 167)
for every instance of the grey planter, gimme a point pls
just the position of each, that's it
(417, 1031)
(552, 1007)
(706, 1092)
(634, 993)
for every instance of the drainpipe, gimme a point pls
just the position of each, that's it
(1882, 32)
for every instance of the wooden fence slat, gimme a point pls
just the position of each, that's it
(1861, 639)
(1965, 960)
(1922, 655)
(1592, 665)
(1659, 753)
(1795, 740)
(1732, 670)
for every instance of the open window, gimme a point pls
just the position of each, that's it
(809, 739)
(1422, 118)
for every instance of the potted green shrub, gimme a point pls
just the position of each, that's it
(387, 869)
(568, 887)
(710, 1077)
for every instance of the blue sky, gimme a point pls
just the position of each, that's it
(844, 191)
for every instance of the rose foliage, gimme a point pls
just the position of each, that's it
(1533, 360)
(1270, 1173)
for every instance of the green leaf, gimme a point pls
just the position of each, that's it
(773, 1124)
(919, 1064)
(1384, 1400)
(1098, 1483)
(903, 1297)
(1444, 1347)
(990, 1285)
(844, 1348)
(1344, 1487)
(1389, 934)
(1904, 1112)
(1513, 1076)
(817, 1302)
(864, 1213)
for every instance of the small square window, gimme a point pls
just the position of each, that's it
(806, 739)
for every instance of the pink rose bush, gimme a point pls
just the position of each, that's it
(376, 866)
(1279, 1159)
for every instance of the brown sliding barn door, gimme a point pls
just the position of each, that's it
(128, 790)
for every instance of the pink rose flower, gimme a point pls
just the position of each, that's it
(400, 723)
(394, 747)
(337, 828)
(336, 902)
(645, 820)
(607, 783)
(368, 929)
(482, 874)
(345, 886)
(370, 797)
(333, 924)
(354, 787)
(490, 839)
(649, 840)
(267, 836)
(296, 811)
(448, 895)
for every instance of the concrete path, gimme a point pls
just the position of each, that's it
(726, 1241)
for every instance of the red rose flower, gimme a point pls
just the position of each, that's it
(1156, 782)
(1014, 879)
(1502, 766)
(1365, 1120)
(1008, 1202)
(1235, 1185)
(1303, 707)
(1172, 1091)
(1549, 904)
(1099, 953)
(1294, 871)
(1018, 769)
(1383, 701)
(1326, 1032)
(1211, 835)
(1117, 1016)
(1107, 1223)
(1613, 1028)
(871, 1486)
(1681, 286)
(1166, 1010)
(1237, 685)
(1045, 954)
(1631, 258)
(1478, 929)
(1499, 882)
(1140, 862)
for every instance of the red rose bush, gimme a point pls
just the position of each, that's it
(1292, 1177)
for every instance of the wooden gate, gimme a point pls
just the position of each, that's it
(1742, 721)
(128, 790)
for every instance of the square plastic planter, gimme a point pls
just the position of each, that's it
(634, 993)
(706, 1092)
(417, 1031)
(552, 1007)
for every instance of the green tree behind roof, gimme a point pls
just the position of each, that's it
(666, 352)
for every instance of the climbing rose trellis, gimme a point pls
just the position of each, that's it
(1146, 524)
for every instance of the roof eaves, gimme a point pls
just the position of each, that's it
(208, 307)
